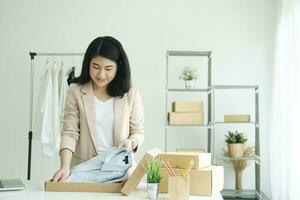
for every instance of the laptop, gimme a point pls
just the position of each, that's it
(11, 184)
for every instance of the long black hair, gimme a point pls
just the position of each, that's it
(112, 49)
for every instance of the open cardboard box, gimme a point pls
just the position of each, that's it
(124, 187)
(83, 187)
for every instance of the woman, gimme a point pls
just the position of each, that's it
(102, 110)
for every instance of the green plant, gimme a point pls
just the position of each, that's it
(235, 137)
(153, 171)
(189, 74)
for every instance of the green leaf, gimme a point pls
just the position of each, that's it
(235, 137)
(153, 171)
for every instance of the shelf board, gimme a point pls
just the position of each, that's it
(236, 87)
(188, 53)
(232, 123)
(189, 90)
(240, 193)
(254, 157)
(236, 123)
(204, 125)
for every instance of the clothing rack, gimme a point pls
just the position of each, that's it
(32, 55)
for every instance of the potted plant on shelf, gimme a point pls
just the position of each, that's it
(236, 148)
(153, 178)
(189, 74)
(235, 142)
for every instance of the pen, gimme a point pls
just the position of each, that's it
(170, 167)
(188, 168)
(167, 169)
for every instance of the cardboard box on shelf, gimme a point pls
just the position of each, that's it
(205, 182)
(236, 118)
(182, 159)
(83, 187)
(139, 171)
(186, 118)
(196, 150)
(187, 106)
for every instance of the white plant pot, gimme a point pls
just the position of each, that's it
(189, 84)
(152, 189)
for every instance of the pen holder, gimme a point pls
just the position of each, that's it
(179, 187)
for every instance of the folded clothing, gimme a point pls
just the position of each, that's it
(108, 167)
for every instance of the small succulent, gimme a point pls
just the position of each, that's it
(235, 137)
(153, 171)
(188, 74)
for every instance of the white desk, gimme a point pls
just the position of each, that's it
(35, 191)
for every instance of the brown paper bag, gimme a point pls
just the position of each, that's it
(179, 187)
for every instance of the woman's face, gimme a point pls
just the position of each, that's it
(102, 71)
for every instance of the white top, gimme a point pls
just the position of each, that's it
(63, 87)
(104, 124)
(47, 116)
(52, 150)
(43, 128)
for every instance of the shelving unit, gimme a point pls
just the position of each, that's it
(211, 123)
(199, 90)
(256, 158)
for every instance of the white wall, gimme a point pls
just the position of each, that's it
(239, 33)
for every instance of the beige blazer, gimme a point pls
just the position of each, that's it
(79, 128)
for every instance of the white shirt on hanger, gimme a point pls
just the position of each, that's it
(63, 87)
(50, 107)
(53, 147)
(104, 124)
(43, 116)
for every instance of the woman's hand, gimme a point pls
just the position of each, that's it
(126, 144)
(65, 160)
(61, 175)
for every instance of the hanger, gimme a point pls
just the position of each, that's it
(73, 63)
(71, 75)
(62, 63)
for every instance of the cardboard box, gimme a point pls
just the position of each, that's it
(125, 188)
(182, 159)
(196, 150)
(186, 118)
(187, 106)
(236, 118)
(139, 171)
(204, 182)
(83, 187)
